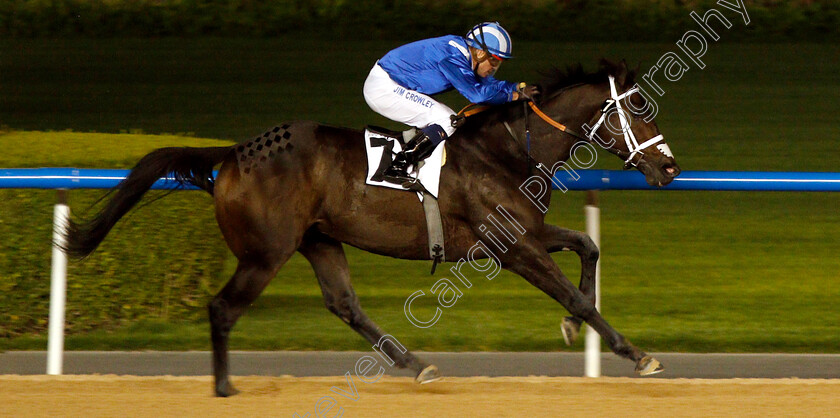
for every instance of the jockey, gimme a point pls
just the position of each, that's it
(399, 85)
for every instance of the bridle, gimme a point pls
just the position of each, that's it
(633, 146)
(635, 152)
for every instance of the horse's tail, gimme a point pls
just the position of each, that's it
(187, 165)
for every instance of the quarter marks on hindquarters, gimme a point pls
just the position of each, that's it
(264, 148)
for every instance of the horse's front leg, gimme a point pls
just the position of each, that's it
(556, 239)
(531, 261)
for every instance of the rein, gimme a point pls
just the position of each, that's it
(473, 109)
(563, 128)
(554, 123)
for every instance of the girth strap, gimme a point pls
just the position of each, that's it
(434, 226)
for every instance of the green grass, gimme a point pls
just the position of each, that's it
(28, 149)
(105, 292)
(682, 271)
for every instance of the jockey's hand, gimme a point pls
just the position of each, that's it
(528, 91)
(457, 120)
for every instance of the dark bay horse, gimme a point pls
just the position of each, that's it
(301, 187)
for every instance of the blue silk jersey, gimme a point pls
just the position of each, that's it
(436, 65)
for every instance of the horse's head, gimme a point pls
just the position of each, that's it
(618, 118)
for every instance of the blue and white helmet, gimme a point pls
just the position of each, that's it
(492, 37)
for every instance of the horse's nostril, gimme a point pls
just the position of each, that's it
(672, 170)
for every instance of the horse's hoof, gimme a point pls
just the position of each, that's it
(648, 366)
(428, 375)
(570, 329)
(225, 390)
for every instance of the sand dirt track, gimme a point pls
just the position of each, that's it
(107, 395)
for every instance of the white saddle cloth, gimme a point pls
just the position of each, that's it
(429, 176)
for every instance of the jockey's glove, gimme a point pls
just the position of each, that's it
(528, 91)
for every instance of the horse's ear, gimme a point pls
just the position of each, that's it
(621, 74)
(633, 73)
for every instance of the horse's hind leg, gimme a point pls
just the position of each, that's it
(327, 258)
(560, 239)
(251, 277)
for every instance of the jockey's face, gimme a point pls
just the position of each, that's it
(488, 64)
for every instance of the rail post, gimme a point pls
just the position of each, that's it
(593, 340)
(58, 286)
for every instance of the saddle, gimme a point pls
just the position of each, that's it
(381, 145)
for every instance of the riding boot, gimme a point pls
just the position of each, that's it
(417, 149)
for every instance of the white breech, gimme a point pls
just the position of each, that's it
(400, 104)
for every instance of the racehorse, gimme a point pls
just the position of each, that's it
(301, 187)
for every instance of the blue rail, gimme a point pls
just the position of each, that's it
(71, 178)
(706, 180)
(74, 178)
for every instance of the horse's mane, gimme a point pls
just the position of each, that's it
(554, 80)
(557, 79)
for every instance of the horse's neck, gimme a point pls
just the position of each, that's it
(512, 152)
(493, 146)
